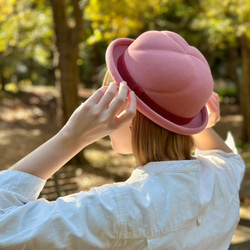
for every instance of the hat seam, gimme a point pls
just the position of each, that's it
(188, 47)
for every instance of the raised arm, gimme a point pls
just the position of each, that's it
(92, 120)
(209, 139)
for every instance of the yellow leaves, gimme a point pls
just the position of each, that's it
(244, 18)
(111, 19)
(41, 54)
(6, 9)
(224, 21)
(11, 87)
(26, 25)
(96, 37)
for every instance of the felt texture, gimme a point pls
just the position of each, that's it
(174, 76)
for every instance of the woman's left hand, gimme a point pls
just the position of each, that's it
(213, 106)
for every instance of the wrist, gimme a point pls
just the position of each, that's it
(71, 140)
(208, 139)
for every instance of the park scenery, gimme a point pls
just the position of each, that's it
(52, 58)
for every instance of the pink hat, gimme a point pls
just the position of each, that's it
(172, 80)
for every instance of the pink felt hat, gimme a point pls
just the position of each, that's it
(171, 79)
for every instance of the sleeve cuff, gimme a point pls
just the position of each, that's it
(24, 184)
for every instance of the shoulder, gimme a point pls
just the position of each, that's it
(225, 167)
(218, 159)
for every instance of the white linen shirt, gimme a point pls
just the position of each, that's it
(164, 205)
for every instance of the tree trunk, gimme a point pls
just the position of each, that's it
(245, 94)
(2, 80)
(67, 71)
(232, 66)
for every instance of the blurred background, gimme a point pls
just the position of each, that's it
(52, 57)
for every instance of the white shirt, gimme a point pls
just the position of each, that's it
(163, 205)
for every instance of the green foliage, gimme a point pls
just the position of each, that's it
(223, 21)
(230, 91)
(25, 26)
(26, 31)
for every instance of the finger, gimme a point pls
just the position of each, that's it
(214, 94)
(108, 96)
(131, 109)
(214, 112)
(212, 106)
(132, 102)
(123, 108)
(214, 100)
(95, 98)
(119, 102)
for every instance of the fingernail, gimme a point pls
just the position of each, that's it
(112, 84)
(124, 82)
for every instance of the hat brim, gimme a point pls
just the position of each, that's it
(198, 123)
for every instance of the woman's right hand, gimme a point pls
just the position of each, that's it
(99, 116)
(104, 112)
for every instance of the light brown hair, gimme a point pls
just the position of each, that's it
(107, 79)
(150, 142)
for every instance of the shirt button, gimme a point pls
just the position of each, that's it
(199, 221)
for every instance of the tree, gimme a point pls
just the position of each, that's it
(68, 23)
(27, 34)
(244, 33)
(68, 32)
(245, 46)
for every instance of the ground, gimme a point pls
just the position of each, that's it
(28, 118)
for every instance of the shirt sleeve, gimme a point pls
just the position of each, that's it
(231, 161)
(85, 220)
(25, 187)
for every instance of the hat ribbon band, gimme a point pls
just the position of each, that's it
(122, 68)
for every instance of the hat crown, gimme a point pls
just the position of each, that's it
(172, 73)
